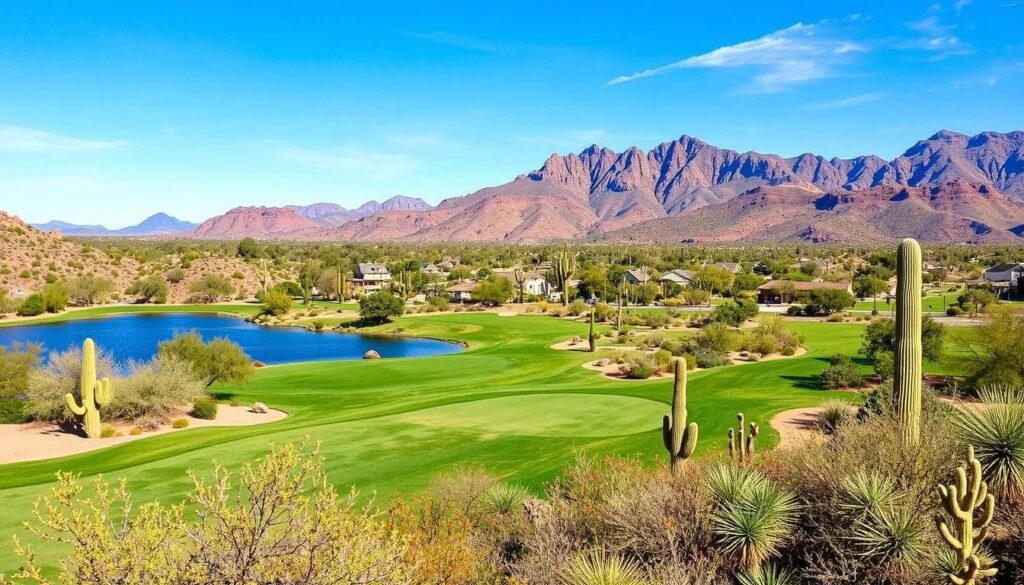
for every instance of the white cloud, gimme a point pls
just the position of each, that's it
(847, 102)
(936, 38)
(369, 165)
(21, 139)
(793, 55)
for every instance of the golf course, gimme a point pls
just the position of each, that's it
(509, 403)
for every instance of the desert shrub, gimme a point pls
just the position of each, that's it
(15, 364)
(794, 310)
(788, 351)
(439, 302)
(716, 337)
(734, 312)
(596, 568)
(136, 431)
(179, 423)
(954, 311)
(577, 307)
(880, 337)
(276, 302)
(834, 413)
(12, 411)
(675, 347)
(709, 358)
(219, 360)
(841, 373)
(828, 301)
(211, 288)
(695, 296)
(884, 366)
(205, 408)
(761, 343)
(149, 289)
(44, 395)
(652, 340)
(663, 359)
(107, 432)
(175, 275)
(154, 389)
(640, 365)
(691, 361)
(32, 306)
(656, 319)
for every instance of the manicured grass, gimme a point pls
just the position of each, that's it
(510, 404)
(929, 304)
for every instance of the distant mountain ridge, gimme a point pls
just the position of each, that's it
(978, 181)
(158, 224)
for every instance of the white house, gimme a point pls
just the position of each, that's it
(680, 277)
(534, 283)
(370, 276)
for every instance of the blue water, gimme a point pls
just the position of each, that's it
(137, 336)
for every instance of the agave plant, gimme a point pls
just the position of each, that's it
(596, 568)
(864, 493)
(505, 498)
(767, 575)
(754, 516)
(996, 430)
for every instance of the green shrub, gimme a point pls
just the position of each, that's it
(12, 412)
(205, 408)
(841, 373)
(954, 311)
(380, 307)
(656, 319)
(795, 310)
(709, 358)
(32, 305)
(577, 307)
(318, 325)
(180, 423)
(788, 351)
(641, 365)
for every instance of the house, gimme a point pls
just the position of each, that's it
(463, 291)
(370, 277)
(680, 277)
(431, 269)
(733, 267)
(534, 283)
(788, 291)
(636, 276)
(1006, 279)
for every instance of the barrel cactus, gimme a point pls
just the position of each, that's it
(680, 438)
(907, 356)
(95, 393)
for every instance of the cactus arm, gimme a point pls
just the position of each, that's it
(103, 395)
(666, 432)
(690, 440)
(73, 406)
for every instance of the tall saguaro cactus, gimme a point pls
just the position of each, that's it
(592, 337)
(618, 320)
(961, 502)
(907, 359)
(680, 438)
(564, 267)
(95, 393)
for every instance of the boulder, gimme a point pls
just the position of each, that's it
(260, 408)
(371, 355)
(604, 362)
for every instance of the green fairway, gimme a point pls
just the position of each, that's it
(509, 403)
(105, 310)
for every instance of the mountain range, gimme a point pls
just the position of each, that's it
(949, 187)
(159, 224)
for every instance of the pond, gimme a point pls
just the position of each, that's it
(136, 337)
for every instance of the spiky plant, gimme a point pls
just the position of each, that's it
(867, 492)
(596, 568)
(505, 498)
(728, 484)
(834, 413)
(891, 535)
(996, 430)
(754, 518)
(767, 575)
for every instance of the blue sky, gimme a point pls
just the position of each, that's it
(110, 111)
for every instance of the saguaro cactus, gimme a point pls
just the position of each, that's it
(906, 383)
(680, 438)
(520, 278)
(592, 338)
(618, 320)
(742, 445)
(564, 267)
(95, 393)
(962, 501)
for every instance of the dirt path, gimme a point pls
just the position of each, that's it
(797, 426)
(35, 441)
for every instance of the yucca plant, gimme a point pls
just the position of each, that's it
(596, 568)
(891, 535)
(505, 498)
(865, 493)
(767, 575)
(996, 430)
(754, 516)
